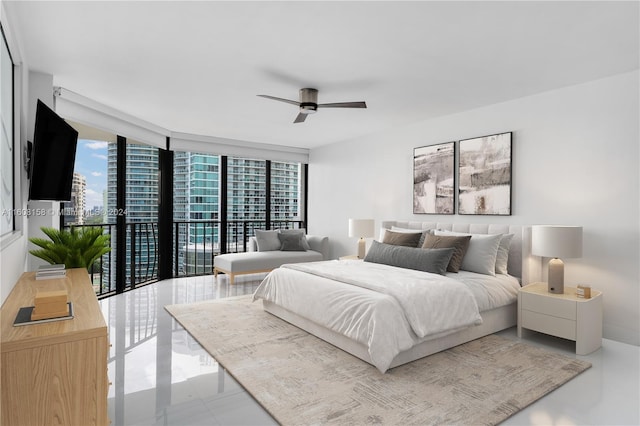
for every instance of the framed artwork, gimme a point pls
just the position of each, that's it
(434, 179)
(484, 175)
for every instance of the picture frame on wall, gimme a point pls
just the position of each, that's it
(484, 175)
(434, 179)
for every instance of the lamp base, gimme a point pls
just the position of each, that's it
(556, 276)
(362, 247)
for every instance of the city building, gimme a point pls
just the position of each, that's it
(74, 210)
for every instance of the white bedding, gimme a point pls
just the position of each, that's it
(385, 308)
(490, 292)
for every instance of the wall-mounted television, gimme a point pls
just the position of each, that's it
(53, 156)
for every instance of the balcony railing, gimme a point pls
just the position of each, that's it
(195, 244)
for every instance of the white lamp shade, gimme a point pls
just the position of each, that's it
(361, 228)
(556, 241)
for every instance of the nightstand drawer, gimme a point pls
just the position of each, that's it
(560, 308)
(552, 325)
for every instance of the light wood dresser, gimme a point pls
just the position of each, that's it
(54, 373)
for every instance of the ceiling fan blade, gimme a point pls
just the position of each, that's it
(280, 99)
(300, 118)
(344, 105)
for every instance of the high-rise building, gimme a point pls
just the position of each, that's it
(246, 189)
(285, 190)
(141, 201)
(75, 208)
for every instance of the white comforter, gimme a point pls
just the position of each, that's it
(387, 309)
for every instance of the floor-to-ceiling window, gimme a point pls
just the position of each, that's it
(140, 209)
(89, 191)
(196, 211)
(260, 194)
(246, 200)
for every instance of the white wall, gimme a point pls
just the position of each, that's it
(40, 87)
(13, 247)
(14, 256)
(575, 161)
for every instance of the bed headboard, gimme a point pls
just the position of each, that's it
(521, 263)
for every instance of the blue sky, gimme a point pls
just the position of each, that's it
(91, 161)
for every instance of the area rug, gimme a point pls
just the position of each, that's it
(302, 380)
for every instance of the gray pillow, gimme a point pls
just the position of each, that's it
(459, 245)
(301, 232)
(427, 260)
(267, 240)
(423, 234)
(291, 242)
(402, 238)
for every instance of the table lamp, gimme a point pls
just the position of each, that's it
(361, 228)
(556, 242)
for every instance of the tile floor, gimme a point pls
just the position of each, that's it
(161, 375)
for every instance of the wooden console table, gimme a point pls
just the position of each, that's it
(54, 373)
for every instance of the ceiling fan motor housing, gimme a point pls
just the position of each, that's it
(308, 101)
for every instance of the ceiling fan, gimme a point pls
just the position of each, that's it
(309, 103)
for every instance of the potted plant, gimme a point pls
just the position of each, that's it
(73, 247)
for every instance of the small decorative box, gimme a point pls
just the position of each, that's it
(583, 291)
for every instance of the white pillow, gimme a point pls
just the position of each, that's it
(268, 240)
(503, 254)
(502, 257)
(481, 254)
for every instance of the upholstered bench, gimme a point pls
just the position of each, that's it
(254, 261)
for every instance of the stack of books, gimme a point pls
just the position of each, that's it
(48, 272)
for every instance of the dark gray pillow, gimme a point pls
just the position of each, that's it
(459, 245)
(427, 260)
(291, 242)
(408, 239)
(302, 232)
(423, 234)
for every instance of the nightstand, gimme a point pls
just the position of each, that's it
(562, 315)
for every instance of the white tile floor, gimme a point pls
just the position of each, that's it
(161, 375)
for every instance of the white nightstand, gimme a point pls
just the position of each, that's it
(562, 315)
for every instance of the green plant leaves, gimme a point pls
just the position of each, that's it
(74, 247)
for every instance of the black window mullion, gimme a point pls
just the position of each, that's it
(223, 203)
(305, 187)
(165, 212)
(121, 230)
(267, 196)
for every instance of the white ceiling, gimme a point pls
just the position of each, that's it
(196, 67)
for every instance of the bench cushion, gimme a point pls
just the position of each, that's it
(262, 260)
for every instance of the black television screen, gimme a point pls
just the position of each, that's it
(53, 156)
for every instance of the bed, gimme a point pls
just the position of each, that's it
(340, 301)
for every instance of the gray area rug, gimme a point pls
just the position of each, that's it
(300, 379)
